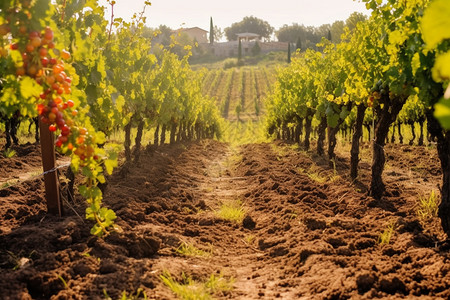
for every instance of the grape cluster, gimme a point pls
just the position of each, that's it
(43, 62)
(379, 90)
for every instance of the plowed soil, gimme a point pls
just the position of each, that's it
(308, 232)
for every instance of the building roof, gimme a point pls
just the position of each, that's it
(188, 29)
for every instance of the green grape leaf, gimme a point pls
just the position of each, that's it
(415, 63)
(95, 77)
(96, 229)
(436, 23)
(29, 88)
(91, 91)
(333, 120)
(442, 113)
(83, 191)
(107, 215)
(441, 69)
(120, 102)
(110, 164)
(86, 171)
(100, 137)
(101, 178)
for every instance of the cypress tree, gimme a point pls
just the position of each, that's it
(256, 49)
(289, 53)
(329, 35)
(211, 32)
(299, 44)
(240, 51)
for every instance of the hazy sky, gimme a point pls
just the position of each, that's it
(191, 13)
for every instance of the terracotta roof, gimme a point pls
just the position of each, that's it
(186, 29)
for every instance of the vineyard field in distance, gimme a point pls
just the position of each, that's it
(239, 91)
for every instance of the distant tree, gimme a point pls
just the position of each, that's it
(298, 46)
(218, 33)
(291, 33)
(312, 37)
(289, 53)
(181, 44)
(211, 32)
(249, 24)
(354, 19)
(256, 49)
(329, 35)
(322, 31)
(196, 48)
(240, 52)
(337, 29)
(308, 36)
(148, 33)
(163, 34)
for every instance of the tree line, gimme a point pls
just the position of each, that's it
(305, 37)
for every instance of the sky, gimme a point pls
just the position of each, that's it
(192, 13)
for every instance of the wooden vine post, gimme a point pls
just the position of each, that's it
(54, 205)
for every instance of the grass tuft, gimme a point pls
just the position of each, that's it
(314, 173)
(7, 184)
(189, 289)
(428, 207)
(250, 239)
(385, 237)
(244, 132)
(188, 249)
(140, 294)
(232, 211)
(9, 153)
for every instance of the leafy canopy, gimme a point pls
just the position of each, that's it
(249, 24)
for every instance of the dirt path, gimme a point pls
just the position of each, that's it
(239, 257)
(233, 254)
(308, 232)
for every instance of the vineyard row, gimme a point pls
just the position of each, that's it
(391, 69)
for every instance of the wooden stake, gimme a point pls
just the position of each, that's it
(54, 205)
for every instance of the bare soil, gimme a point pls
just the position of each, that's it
(308, 232)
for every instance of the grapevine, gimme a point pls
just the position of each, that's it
(393, 58)
(45, 76)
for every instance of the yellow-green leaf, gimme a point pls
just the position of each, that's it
(415, 63)
(120, 102)
(110, 164)
(29, 88)
(442, 113)
(436, 23)
(441, 69)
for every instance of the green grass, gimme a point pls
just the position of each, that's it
(189, 289)
(314, 173)
(385, 237)
(233, 159)
(140, 294)
(427, 207)
(315, 176)
(232, 211)
(250, 239)
(272, 59)
(8, 184)
(279, 151)
(64, 282)
(9, 153)
(188, 249)
(240, 132)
